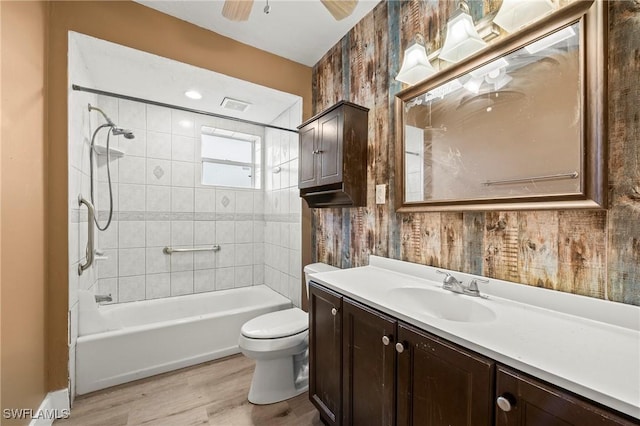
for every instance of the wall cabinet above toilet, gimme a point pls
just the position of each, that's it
(333, 157)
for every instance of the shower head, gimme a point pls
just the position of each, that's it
(128, 134)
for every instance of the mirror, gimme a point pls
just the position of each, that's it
(518, 126)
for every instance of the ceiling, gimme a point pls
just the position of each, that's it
(299, 30)
(122, 70)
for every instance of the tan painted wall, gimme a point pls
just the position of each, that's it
(139, 27)
(23, 197)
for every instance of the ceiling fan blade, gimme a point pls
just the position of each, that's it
(340, 9)
(237, 10)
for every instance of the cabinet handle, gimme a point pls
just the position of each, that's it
(316, 151)
(386, 340)
(505, 402)
(334, 311)
(399, 347)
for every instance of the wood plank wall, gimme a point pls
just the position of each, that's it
(593, 253)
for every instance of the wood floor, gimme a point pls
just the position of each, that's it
(214, 393)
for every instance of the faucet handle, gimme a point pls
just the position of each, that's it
(472, 288)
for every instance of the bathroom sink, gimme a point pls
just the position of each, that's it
(440, 304)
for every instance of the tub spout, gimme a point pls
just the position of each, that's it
(103, 298)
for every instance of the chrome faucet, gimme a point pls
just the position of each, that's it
(103, 298)
(451, 283)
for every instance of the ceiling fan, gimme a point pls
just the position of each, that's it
(239, 10)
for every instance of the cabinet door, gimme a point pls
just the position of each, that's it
(307, 175)
(330, 147)
(440, 384)
(529, 402)
(369, 366)
(325, 353)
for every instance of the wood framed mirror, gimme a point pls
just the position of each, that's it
(520, 125)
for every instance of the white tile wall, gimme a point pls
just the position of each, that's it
(159, 201)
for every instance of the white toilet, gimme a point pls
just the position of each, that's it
(278, 342)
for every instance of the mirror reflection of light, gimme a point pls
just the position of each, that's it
(550, 40)
(473, 85)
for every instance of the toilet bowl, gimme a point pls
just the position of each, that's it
(278, 342)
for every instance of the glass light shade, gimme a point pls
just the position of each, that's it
(462, 38)
(515, 14)
(415, 65)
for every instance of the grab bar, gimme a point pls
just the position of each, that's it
(571, 175)
(90, 236)
(170, 250)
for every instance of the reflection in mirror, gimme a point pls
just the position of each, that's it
(509, 128)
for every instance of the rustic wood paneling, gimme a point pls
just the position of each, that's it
(473, 237)
(538, 248)
(585, 252)
(582, 252)
(501, 245)
(624, 152)
(452, 244)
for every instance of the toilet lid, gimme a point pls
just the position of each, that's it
(276, 324)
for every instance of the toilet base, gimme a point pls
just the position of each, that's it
(273, 381)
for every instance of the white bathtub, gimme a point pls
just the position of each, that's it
(165, 334)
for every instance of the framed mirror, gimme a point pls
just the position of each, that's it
(520, 125)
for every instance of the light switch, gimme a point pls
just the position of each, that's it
(381, 194)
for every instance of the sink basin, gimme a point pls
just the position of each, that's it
(440, 304)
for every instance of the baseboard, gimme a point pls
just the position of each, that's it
(54, 406)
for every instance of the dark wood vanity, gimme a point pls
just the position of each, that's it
(369, 368)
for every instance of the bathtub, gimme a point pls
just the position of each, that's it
(156, 336)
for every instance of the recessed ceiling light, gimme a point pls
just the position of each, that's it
(192, 94)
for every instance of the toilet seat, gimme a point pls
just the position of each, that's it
(276, 325)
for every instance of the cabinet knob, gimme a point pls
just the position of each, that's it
(505, 402)
(334, 311)
(386, 340)
(399, 347)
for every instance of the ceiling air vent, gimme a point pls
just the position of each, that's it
(235, 105)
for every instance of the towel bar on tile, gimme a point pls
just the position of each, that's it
(170, 250)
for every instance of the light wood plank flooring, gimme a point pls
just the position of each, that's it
(214, 393)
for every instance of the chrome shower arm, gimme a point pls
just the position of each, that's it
(109, 122)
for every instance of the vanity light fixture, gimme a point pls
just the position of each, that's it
(515, 14)
(193, 94)
(415, 65)
(462, 38)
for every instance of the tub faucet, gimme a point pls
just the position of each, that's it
(103, 298)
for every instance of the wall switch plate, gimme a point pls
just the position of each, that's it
(381, 194)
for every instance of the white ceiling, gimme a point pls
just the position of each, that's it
(300, 30)
(118, 69)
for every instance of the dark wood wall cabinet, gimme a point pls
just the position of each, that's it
(368, 368)
(333, 157)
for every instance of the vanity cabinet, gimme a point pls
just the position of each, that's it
(524, 401)
(325, 353)
(333, 157)
(441, 384)
(369, 368)
(368, 361)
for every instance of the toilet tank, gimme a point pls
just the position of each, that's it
(314, 268)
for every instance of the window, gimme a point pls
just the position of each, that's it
(230, 158)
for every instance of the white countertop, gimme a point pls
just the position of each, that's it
(586, 345)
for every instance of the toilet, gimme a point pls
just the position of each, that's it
(278, 342)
